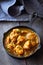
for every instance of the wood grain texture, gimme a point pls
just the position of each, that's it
(5, 59)
(37, 58)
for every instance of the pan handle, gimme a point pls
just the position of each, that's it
(33, 17)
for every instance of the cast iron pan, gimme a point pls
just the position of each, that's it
(4, 35)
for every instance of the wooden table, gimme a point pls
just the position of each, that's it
(36, 59)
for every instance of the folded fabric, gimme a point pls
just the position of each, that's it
(30, 6)
(6, 4)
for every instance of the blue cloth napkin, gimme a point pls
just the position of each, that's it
(30, 6)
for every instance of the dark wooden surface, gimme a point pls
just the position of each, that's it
(36, 59)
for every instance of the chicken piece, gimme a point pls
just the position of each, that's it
(37, 40)
(33, 43)
(16, 30)
(21, 38)
(12, 35)
(10, 46)
(26, 53)
(7, 40)
(18, 42)
(18, 49)
(27, 45)
(30, 36)
(14, 40)
(24, 32)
